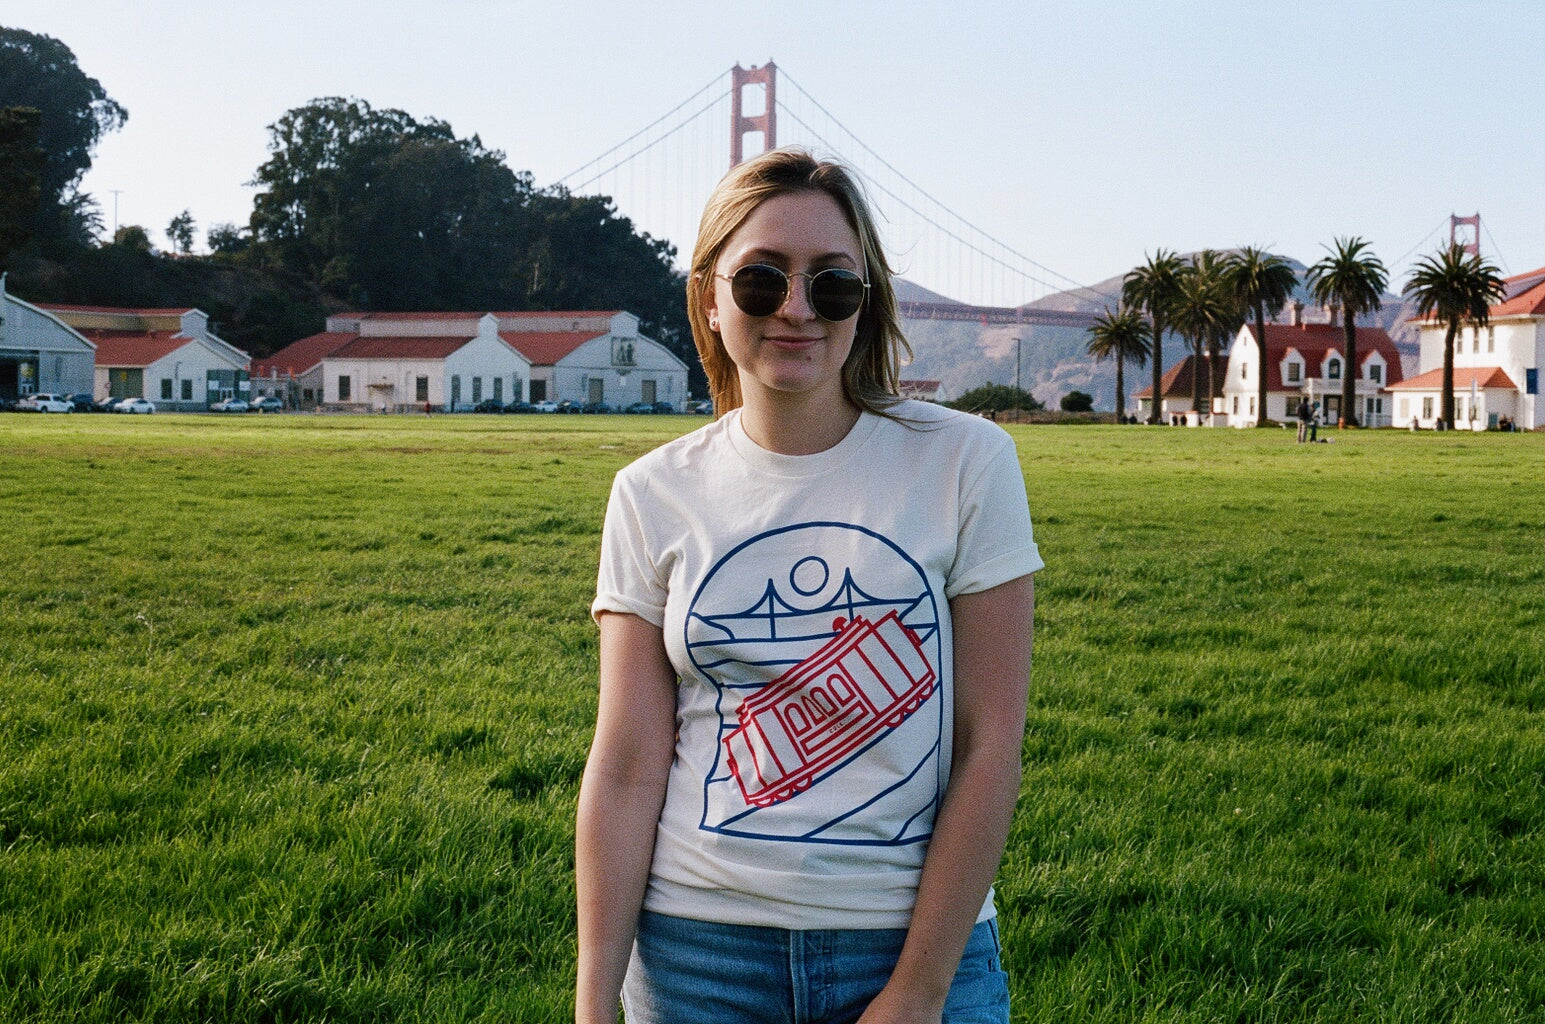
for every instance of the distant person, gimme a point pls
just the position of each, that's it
(826, 556)
(1314, 422)
(1304, 415)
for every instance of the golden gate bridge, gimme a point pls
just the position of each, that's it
(952, 269)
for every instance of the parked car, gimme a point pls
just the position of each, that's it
(268, 403)
(700, 407)
(545, 407)
(231, 405)
(520, 407)
(640, 407)
(135, 405)
(107, 403)
(488, 405)
(82, 403)
(567, 406)
(44, 402)
(597, 407)
(664, 407)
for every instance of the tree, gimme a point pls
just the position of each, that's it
(1152, 288)
(1262, 284)
(1205, 312)
(180, 233)
(1352, 278)
(1077, 401)
(40, 72)
(996, 398)
(1456, 288)
(1123, 336)
(134, 237)
(21, 169)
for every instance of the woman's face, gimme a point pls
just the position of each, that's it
(793, 351)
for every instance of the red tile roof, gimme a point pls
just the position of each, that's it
(544, 348)
(133, 348)
(1482, 377)
(1176, 382)
(399, 348)
(1313, 341)
(299, 356)
(117, 310)
(1525, 295)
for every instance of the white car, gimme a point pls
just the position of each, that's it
(546, 407)
(135, 405)
(230, 405)
(45, 403)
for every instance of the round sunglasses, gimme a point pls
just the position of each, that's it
(761, 290)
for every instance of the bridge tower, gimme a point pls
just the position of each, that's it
(1471, 240)
(766, 122)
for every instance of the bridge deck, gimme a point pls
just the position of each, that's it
(993, 314)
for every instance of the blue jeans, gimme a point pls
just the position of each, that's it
(686, 972)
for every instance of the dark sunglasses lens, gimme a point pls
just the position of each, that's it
(836, 294)
(759, 290)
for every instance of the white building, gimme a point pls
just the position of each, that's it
(401, 361)
(1496, 367)
(1176, 405)
(1308, 361)
(40, 352)
(166, 355)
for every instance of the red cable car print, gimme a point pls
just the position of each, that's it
(866, 679)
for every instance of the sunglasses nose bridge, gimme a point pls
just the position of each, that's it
(796, 304)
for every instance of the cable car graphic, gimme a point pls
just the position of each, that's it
(866, 679)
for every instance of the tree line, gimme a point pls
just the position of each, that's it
(1207, 297)
(357, 208)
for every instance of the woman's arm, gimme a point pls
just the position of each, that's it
(619, 805)
(993, 631)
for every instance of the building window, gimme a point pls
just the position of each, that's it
(1405, 408)
(477, 390)
(1333, 372)
(1491, 339)
(1235, 410)
(187, 391)
(1427, 407)
(515, 388)
(1244, 371)
(1295, 372)
(455, 391)
(421, 389)
(307, 395)
(345, 389)
(1376, 373)
(499, 390)
(166, 389)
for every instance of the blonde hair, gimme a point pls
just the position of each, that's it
(871, 373)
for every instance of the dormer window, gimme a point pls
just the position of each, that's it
(1295, 372)
(1333, 371)
(1376, 373)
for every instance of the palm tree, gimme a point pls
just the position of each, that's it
(1457, 289)
(1353, 278)
(1204, 312)
(1123, 336)
(1263, 283)
(1151, 288)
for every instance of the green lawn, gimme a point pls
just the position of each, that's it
(293, 709)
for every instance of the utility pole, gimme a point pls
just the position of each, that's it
(1017, 391)
(116, 193)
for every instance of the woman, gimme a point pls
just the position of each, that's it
(815, 620)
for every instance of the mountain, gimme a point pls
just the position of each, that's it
(1052, 360)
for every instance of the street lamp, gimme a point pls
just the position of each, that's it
(1017, 391)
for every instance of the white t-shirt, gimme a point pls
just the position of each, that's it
(804, 602)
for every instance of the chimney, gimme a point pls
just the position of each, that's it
(1330, 313)
(1298, 314)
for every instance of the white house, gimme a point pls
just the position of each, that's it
(40, 352)
(1496, 367)
(1175, 401)
(1308, 361)
(406, 361)
(166, 355)
(457, 360)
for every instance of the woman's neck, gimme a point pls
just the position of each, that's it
(797, 424)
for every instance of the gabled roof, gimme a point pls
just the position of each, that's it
(299, 356)
(1313, 341)
(545, 348)
(399, 348)
(1525, 295)
(1176, 382)
(1481, 377)
(133, 348)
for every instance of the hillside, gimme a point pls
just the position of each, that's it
(1053, 360)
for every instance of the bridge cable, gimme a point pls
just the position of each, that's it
(716, 80)
(640, 152)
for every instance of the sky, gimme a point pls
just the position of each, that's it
(1082, 134)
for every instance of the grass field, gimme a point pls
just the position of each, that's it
(293, 709)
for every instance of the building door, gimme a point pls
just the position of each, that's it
(1332, 409)
(648, 389)
(597, 390)
(538, 391)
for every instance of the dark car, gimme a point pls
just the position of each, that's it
(82, 403)
(105, 404)
(664, 407)
(597, 407)
(520, 407)
(568, 406)
(488, 405)
(640, 407)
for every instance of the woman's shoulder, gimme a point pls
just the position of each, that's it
(689, 452)
(949, 426)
